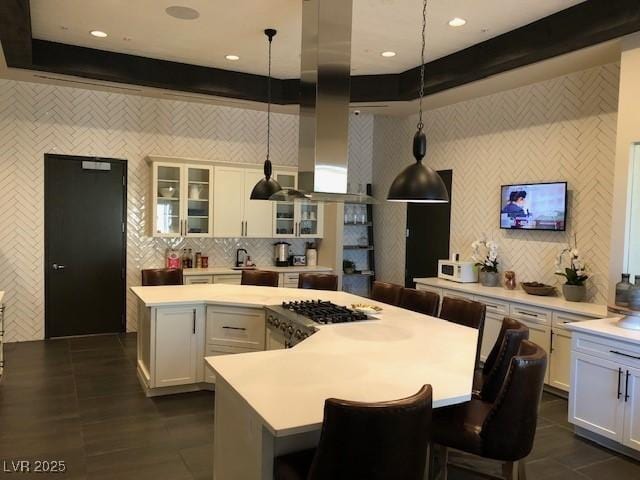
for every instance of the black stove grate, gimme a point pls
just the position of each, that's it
(324, 312)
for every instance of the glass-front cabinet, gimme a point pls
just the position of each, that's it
(182, 200)
(296, 218)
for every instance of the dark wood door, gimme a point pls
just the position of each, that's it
(428, 234)
(85, 245)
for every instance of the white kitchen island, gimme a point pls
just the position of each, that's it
(269, 403)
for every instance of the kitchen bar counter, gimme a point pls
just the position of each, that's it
(270, 402)
(230, 271)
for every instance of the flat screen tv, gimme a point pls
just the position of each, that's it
(534, 206)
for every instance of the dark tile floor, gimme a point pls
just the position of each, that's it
(79, 400)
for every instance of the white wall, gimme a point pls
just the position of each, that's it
(560, 129)
(36, 119)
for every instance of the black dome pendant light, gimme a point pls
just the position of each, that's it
(419, 183)
(267, 186)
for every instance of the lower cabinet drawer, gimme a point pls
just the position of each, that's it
(215, 350)
(497, 307)
(198, 279)
(456, 294)
(228, 279)
(607, 349)
(527, 313)
(236, 327)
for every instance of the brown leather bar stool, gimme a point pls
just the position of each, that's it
(467, 313)
(420, 301)
(262, 278)
(372, 441)
(488, 379)
(162, 276)
(503, 430)
(386, 293)
(318, 281)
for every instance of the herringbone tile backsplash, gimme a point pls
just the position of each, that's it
(36, 119)
(560, 129)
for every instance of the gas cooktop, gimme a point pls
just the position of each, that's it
(323, 312)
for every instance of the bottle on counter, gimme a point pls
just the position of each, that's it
(189, 258)
(172, 258)
(622, 290)
(198, 263)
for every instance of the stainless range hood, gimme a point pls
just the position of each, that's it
(325, 90)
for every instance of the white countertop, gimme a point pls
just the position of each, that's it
(230, 271)
(369, 361)
(606, 327)
(519, 296)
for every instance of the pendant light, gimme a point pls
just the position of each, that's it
(267, 186)
(419, 183)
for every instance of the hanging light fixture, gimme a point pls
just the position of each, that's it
(419, 183)
(267, 186)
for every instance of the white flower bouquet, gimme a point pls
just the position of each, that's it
(485, 254)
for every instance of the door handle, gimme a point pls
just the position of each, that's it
(194, 321)
(626, 387)
(551, 344)
(57, 266)
(615, 352)
(234, 328)
(619, 381)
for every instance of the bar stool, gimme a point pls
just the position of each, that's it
(318, 281)
(386, 293)
(162, 276)
(488, 379)
(262, 278)
(502, 430)
(420, 301)
(467, 313)
(372, 441)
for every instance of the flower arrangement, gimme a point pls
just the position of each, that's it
(575, 273)
(485, 254)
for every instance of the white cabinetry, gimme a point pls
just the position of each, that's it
(538, 321)
(233, 330)
(181, 200)
(175, 346)
(236, 215)
(298, 218)
(198, 279)
(605, 388)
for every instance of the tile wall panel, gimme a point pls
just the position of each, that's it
(560, 129)
(36, 119)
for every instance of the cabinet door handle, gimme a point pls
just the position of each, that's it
(624, 354)
(194, 321)
(234, 328)
(626, 387)
(619, 382)
(551, 344)
(534, 315)
(246, 227)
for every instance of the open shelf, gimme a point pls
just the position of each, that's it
(364, 273)
(358, 247)
(367, 224)
(168, 181)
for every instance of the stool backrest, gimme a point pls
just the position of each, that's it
(318, 281)
(421, 301)
(262, 278)
(388, 293)
(162, 276)
(375, 441)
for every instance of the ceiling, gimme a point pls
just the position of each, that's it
(235, 27)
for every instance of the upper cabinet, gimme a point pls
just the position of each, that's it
(190, 198)
(296, 219)
(236, 215)
(181, 200)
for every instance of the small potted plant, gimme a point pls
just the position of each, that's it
(574, 290)
(485, 254)
(348, 267)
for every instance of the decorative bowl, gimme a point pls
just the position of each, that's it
(536, 288)
(167, 192)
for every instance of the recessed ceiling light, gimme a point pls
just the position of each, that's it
(98, 33)
(182, 13)
(457, 22)
(388, 54)
(233, 58)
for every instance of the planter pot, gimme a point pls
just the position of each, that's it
(574, 293)
(490, 279)
(349, 270)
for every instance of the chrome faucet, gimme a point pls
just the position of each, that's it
(238, 262)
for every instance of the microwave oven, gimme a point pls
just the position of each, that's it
(461, 272)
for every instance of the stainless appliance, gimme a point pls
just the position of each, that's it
(281, 254)
(292, 322)
(456, 271)
(298, 260)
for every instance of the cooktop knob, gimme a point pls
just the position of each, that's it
(298, 334)
(290, 329)
(275, 322)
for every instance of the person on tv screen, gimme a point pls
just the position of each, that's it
(515, 207)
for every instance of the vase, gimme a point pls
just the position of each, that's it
(622, 291)
(489, 279)
(634, 294)
(510, 280)
(574, 293)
